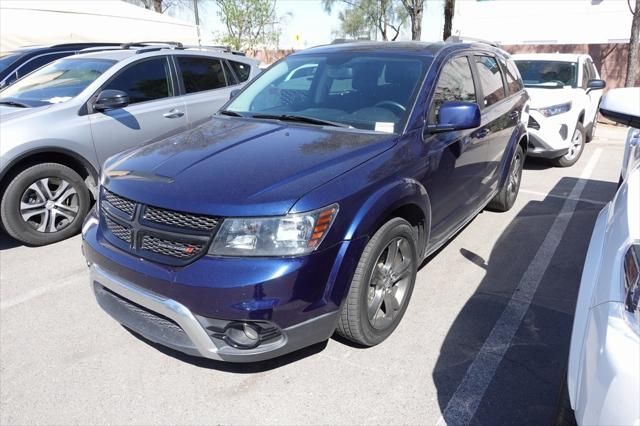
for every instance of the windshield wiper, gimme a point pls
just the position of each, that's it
(14, 103)
(231, 113)
(300, 119)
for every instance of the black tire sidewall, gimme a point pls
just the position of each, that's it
(393, 229)
(10, 204)
(510, 198)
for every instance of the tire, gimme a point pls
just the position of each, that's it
(576, 150)
(506, 198)
(376, 286)
(60, 201)
(592, 130)
(564, 415)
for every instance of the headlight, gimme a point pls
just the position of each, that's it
(555, 109)
(632, 279)
(289, 235)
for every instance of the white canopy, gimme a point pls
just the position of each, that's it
(37, 22)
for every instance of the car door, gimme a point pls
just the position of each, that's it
(206, 86)
(591, 108)
(154, 112)
(456, 159)
(498, 114)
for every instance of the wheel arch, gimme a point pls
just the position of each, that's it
(407, 199)
(62, 156)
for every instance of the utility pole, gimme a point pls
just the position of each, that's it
(195, 11)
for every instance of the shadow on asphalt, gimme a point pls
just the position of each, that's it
(533, 163)
(6, 242)
(525, 388)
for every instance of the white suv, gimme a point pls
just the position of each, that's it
(565, 91)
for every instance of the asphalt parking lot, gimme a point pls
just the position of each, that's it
(485, 339)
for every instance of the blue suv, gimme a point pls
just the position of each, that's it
(307, 204)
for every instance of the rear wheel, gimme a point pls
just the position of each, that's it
(575, 150)
(382, 285)
(44, 203)
(506, 198)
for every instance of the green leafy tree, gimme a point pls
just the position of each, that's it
(386, 16)
(249, 23)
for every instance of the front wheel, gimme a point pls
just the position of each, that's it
(44, 203)
(382, 285)
(575, 150)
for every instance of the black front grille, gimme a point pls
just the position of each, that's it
(177, 249)
(179, 219)
(123, 204)
(154, 233)
(118, 230)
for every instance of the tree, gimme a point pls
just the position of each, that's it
(414, 9)
(449, 9)
(249, 23)
(387, 16)
(160, 6)
(633, 60)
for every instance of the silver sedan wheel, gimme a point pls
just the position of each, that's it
(577, 144)
(389, 283)
(49, 205)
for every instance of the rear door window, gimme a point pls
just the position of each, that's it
(455, 83)
(514, 83)
(490, 79)
(200, 74)
(144, 81)
(243, 71)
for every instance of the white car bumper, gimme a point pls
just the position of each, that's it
(549, 137)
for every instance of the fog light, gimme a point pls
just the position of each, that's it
(242, 335)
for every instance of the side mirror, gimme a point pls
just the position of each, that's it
(234, 93)
(595, 85)
(111, 99)
(455, 115)
(622, 106)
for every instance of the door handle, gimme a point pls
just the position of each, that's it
(482, 133)
(174, 113)
(514, 114)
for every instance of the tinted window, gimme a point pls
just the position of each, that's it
(201, 74)
(8, 59)
(454, 84)
(144, 81)
(490, 79)
(585, 75)
(38, 62)
(514, 84)
(243, 71)
(231, 78)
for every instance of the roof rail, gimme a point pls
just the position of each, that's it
(100, 48)
(346, 40)
(465, 39)
(219, 48)
(172, 44)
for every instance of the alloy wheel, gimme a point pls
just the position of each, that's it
(49, 204)
(577, 144)
(389, 282)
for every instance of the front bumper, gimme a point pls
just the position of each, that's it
(549, 137)
(297, 300)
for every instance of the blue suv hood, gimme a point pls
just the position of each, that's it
(239, 167)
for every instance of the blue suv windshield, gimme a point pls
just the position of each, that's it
(549, 74)
(364, 91)
(57, 82)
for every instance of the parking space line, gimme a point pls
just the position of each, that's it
(32, 294)
(581, 200)
(465, 401)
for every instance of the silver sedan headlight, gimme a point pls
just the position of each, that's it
(290, 235)
(555, 109)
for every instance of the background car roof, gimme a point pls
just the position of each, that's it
(122, 54)
(562, 57)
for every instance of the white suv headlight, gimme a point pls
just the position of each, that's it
(554, 109)
(290, 235)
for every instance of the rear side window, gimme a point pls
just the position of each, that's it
(454, 84)
(490, 79)
(145, 81)
(243, 71)
(200, 74)
(514, 83)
